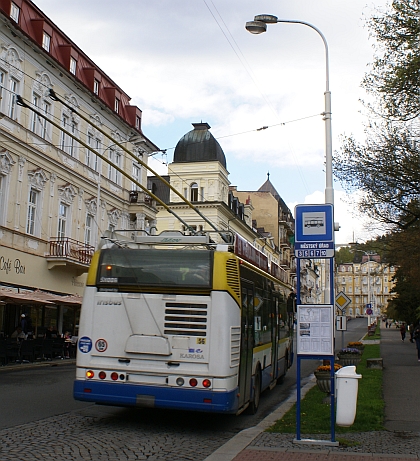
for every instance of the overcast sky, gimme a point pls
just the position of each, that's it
(187, 61)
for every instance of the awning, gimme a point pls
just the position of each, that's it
(38, 297)
(69, 300)
(13, 297)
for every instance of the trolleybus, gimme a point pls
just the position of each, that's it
(174, 321)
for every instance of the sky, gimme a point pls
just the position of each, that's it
(188, 61)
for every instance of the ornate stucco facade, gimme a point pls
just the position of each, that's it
(56, 195)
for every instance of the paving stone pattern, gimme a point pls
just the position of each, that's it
(75, 437)
(378, 442)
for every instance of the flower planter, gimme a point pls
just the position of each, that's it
(323, 381)
(359, 347)
(349, 359)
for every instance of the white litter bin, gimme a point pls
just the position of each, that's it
(346, 392)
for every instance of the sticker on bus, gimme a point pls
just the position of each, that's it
(101, 345)
(85, 344)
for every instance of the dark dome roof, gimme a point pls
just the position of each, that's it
(199, 145)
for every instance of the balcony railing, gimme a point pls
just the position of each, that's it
(71, 250)
(139, 197)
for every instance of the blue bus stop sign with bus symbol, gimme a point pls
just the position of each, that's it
(314, 231)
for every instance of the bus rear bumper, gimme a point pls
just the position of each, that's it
(135, 395)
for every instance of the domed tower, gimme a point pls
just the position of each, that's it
(198, 169)
(199, 145)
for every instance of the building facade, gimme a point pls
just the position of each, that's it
(65, 174)
(368, 282)
(273, 215)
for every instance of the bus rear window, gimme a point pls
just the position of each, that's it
(151, 267)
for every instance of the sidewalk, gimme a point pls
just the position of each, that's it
(401, 440)
(37, 364)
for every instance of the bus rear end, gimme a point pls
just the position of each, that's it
(146, 322)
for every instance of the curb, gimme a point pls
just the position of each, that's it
(33, 365)
(240, 441)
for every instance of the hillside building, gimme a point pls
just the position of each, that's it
(368, 282)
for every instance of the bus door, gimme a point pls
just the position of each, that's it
(247, 343)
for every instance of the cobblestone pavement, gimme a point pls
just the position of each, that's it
(93, 435)
(379, 442)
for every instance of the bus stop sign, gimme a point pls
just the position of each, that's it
(314, 236)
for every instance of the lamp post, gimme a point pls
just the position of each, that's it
(258, 26)
(369, 303)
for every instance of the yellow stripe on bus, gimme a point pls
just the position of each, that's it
(262, 348)
(93, 270)
(226, 275)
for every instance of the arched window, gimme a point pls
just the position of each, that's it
(194, 192)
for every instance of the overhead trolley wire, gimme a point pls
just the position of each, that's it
(248, 69)
(54, 97)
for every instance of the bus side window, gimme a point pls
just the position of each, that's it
(282, 320)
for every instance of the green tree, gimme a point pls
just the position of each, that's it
(344, 255)
(404, 253)
(406, 303)
(385, 168)
(395, 72)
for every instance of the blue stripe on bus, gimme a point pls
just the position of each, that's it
(176, 398)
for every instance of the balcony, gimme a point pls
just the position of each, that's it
(69, 252)
(284, 263)
(284, 242)
(141, 198)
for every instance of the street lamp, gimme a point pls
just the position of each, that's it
(369, 301)
(258, 26)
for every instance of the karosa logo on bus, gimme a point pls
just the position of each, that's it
(191, 356)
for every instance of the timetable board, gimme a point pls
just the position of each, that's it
(315, 329)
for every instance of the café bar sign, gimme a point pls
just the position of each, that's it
(8, 266)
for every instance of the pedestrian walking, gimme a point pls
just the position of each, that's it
(402, 331)
(416, 336)
(411, 330)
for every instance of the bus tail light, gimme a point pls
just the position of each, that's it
(106, 376)
(206, 383)
(193, 382)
